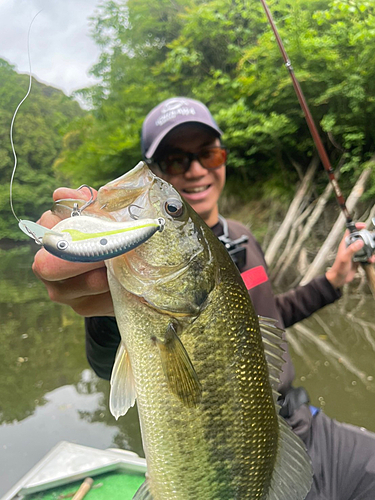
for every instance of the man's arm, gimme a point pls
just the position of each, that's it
(83, 287)
(299, 303)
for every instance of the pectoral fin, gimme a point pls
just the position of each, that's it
(178, 369)
(123, 394)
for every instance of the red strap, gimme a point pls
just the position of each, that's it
(254, 277)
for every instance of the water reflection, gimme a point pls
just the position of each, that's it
(48, 393)
(334, 357)
(26, 442)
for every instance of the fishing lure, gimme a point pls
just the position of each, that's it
(89, 239)
(82, 238)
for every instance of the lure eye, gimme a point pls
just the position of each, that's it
(62, 245)
(174, 207)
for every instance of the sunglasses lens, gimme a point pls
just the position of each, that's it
(212, 157)
(175, 164)
(179, 163)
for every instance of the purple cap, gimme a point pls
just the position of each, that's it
(170, 114)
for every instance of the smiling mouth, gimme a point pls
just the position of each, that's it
(199, 189)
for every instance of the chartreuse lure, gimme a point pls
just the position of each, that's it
(89, 239)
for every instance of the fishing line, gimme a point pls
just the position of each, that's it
(14, 117)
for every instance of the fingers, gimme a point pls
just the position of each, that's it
(353, 248)
(49, 268)
(48, 220)
(83, 287)
(87, 294)
(88, 306)
(87, 284)
(76, 194)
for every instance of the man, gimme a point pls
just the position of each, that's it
(181, 143)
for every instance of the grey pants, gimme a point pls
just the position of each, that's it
(343, 458)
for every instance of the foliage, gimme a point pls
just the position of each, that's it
(224, 53)
(42, 345)
(38, 132)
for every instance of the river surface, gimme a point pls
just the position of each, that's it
(49, 394)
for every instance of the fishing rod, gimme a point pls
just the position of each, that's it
(366, 236)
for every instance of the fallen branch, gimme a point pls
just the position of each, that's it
(336, 232)
(292, 213)
(290, 244)
(315, 216)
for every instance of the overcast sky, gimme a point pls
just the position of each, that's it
(61, 49)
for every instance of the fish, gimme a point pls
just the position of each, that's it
(203, 368)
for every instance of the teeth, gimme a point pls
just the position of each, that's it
(196, 190)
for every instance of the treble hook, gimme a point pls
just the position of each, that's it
(78, 211)
(134, 216)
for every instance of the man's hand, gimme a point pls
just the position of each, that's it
(344, 269)
(83, 287)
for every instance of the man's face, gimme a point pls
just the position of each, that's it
(200, 187)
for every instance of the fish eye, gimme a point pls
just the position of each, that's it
(174, 207)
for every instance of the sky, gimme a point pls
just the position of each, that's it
(61, 49)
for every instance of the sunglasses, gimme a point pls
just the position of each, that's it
(178, 162)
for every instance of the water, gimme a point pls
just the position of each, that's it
(49, 394)
(334, 357)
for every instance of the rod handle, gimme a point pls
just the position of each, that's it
(83, 489)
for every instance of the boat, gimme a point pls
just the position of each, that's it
(115, 473)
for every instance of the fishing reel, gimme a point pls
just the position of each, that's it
(368, 238)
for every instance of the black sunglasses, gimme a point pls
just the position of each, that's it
(178, 162)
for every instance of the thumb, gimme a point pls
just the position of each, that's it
(355, 246)
(75, 194)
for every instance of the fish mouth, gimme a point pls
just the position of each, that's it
(124, 191)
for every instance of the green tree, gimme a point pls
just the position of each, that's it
(38, 132)
(224, 53)
(134, 38)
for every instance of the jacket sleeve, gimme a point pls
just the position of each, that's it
(299, 303)
(102, 340)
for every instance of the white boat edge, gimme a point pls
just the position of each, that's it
(67, 462)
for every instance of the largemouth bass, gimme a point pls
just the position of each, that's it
(194, 357)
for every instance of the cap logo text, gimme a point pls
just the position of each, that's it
(172, 109)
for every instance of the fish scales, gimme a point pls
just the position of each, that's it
(227, 433)
(193, 356)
